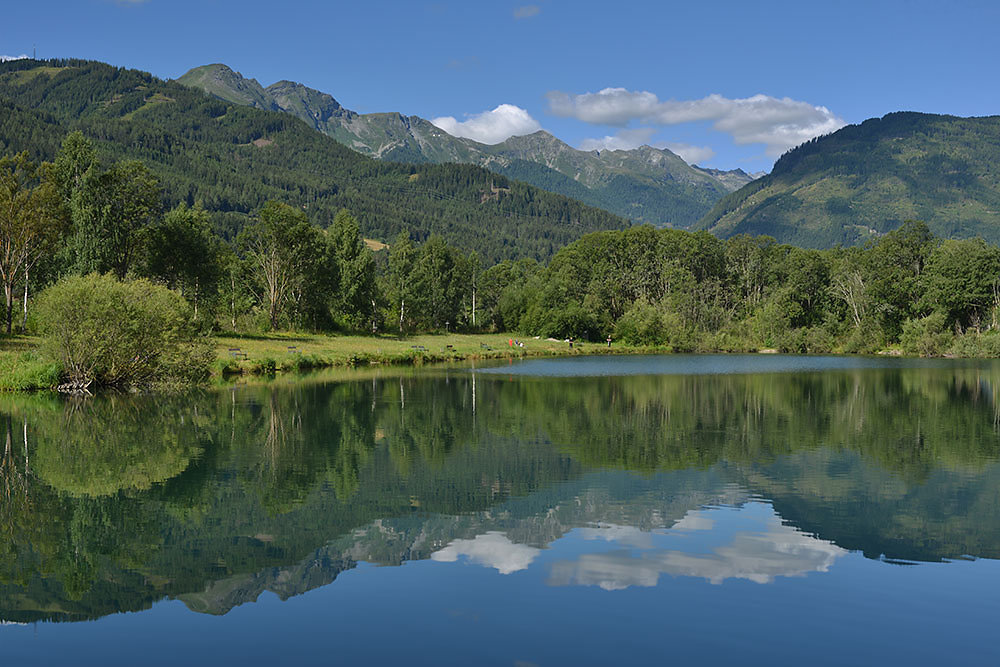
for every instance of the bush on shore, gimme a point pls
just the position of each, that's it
(121, 333)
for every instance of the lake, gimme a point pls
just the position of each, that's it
(758, 509)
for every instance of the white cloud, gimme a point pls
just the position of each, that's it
(491, 127)
(621, 141)
(493, 549)
(779, 124)
(4, 59)
(527, 11)
(611, 106)
(689, 153)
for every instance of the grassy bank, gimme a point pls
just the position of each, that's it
(292, 351)
(23, 368)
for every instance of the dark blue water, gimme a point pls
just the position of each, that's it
(563, 512)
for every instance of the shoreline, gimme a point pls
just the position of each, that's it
(280, 353)
(23, 370)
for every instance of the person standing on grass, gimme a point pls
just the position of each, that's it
(609, 340)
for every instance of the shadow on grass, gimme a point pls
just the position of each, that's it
(17, 343)
(307, 338)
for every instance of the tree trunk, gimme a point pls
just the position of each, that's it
(9, 294)
(24, 314)
(232, 300)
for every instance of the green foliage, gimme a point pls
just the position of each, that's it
(289, 260)
(441, 281)
(30, 222)
(694, 292)
(977, 346)
(113, 333)
(962, 280)
(356, 296)
(927, 336)
(181, 252)
(109, 210)
(646, 324)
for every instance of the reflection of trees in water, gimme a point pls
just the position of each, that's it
(14, 469)
(911, 422)
(122, 489)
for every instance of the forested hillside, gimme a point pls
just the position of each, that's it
(231, 159)
(865, 180)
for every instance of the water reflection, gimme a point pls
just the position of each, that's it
(758, 553)
(213, 498)
(491, 549)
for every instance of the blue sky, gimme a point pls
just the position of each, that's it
(727, 84)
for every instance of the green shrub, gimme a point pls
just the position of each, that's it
(264, 366)
(926, 336)
(121, 334)
(646, 324)
(972, 345)
(816, 340)
(865, 339)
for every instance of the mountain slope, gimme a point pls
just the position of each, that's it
(232, 158)
(865, 180)
(645, 184)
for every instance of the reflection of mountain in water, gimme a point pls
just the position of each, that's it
(113, 504)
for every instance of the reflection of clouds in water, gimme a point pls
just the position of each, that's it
(778, 551)
(628, 536)
(694, 521)
(611, 571)
(492, 550)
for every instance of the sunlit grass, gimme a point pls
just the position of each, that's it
(297, 350)
(22, 368)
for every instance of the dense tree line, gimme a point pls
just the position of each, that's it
(692, 291)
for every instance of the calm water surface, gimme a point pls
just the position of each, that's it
(630, 510)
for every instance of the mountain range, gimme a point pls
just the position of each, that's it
(646, 184)
(232, 155)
